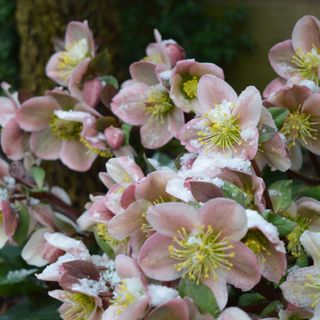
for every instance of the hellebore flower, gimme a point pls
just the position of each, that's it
(299, 56)
(228, 123)
(184, 82)
(301, 123)
(78, 45)
(202, 245)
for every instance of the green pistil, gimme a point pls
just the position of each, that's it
(294, 245)
(298, 125)
(258, 243)
(80, 307)
(201, 254)
(159, 104)
(307, 64)
(64, 129)
(189, 87)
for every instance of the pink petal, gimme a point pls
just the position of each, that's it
(280, 57)
(212, 91)
(57, 71)
(167, 218)
(35, 114)
(145, 72)
(249, 108)
(233, 313)
(176, 121)
(274, 86)
(126, 267)
(76, 156)
(10, 221)
(245, 272)
(45, 145)
(155, 133)
(129, 104)
(219, 289)
(201, 69)
(311, 106)
(155, 261)
(305, 34)
(12, 140)
(153, 187)
(126, 223)
(225, 216)
(188, 135)
(8, 110)
(275, 266)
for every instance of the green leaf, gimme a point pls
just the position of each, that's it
(233, 192)
(21, 233)
(150, 167)
(201, 295)
(100, 64)
(312, 192)
(126, 128)
(281, 195)
(104, 245)
(272, 308)
(284, 225)
(302, 261)
(38, 175)
(279, 115)
(266, 133)
(249, 299)
(108, 79)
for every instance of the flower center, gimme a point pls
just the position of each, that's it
(189, 87)
(313, 281)
(80, 307)
(155, 58)
(220, 128)
(202, 253)
(103, 233)
(158, 104)
(258, 243)
(64, 129)
(297, 125)
(294, 245)
(308, 64)
(127, 292)
(1, 218)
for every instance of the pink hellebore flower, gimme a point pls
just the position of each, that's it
(228, 123)
(299, 56)
(302, 121)
(55, 132)
(263, 239)
(8, 223)
(184, 82)
(150, 107)
(302, 287)
(202, 245)
(79, 45)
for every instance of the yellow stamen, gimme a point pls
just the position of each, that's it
(64, 129)
(106, 153)
(313, 281)
(202, 253)
(298, 125)
(258, 243)
(294, 245)
(308, 64)
(103, 233)
(79, 307)
(189, 87)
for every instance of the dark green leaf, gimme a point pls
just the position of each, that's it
(201, 295)
(126, 128)
(272, 308)
(233, 192)
(249, 299)
(284, 225)
(266, 133)
(312, 192)
(279, 115)
(100, 64)
(21, 233)
(281, 195)
(104, 245)
(38, 175)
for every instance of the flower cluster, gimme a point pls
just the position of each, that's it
(211, 233)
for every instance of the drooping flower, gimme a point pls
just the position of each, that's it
(184, 82)
(201, 245)
(228, 123)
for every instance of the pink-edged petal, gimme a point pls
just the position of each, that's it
(45, 145)
(280, 57)
(129, 104)
(8, 110)
(294, 289)
(233, 313)
(4, 168)
(311, 106)
(305, 34)
(76, 156)
(145, 72)
(200, 69)
(225, 216)
(188, 135)
(35, 114)
(12, 138)
(57, 70)
(219, 289)
(76, 31)
(167, 218)
(175, 309)
(155, 261)
(212, 91)
(153, 187)
(274, 86)
(126, 223)
(10, 221)
(311, 242)
(175, 121)
(249, 108)
(126, 267)
(155, 133)
(245, 272)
